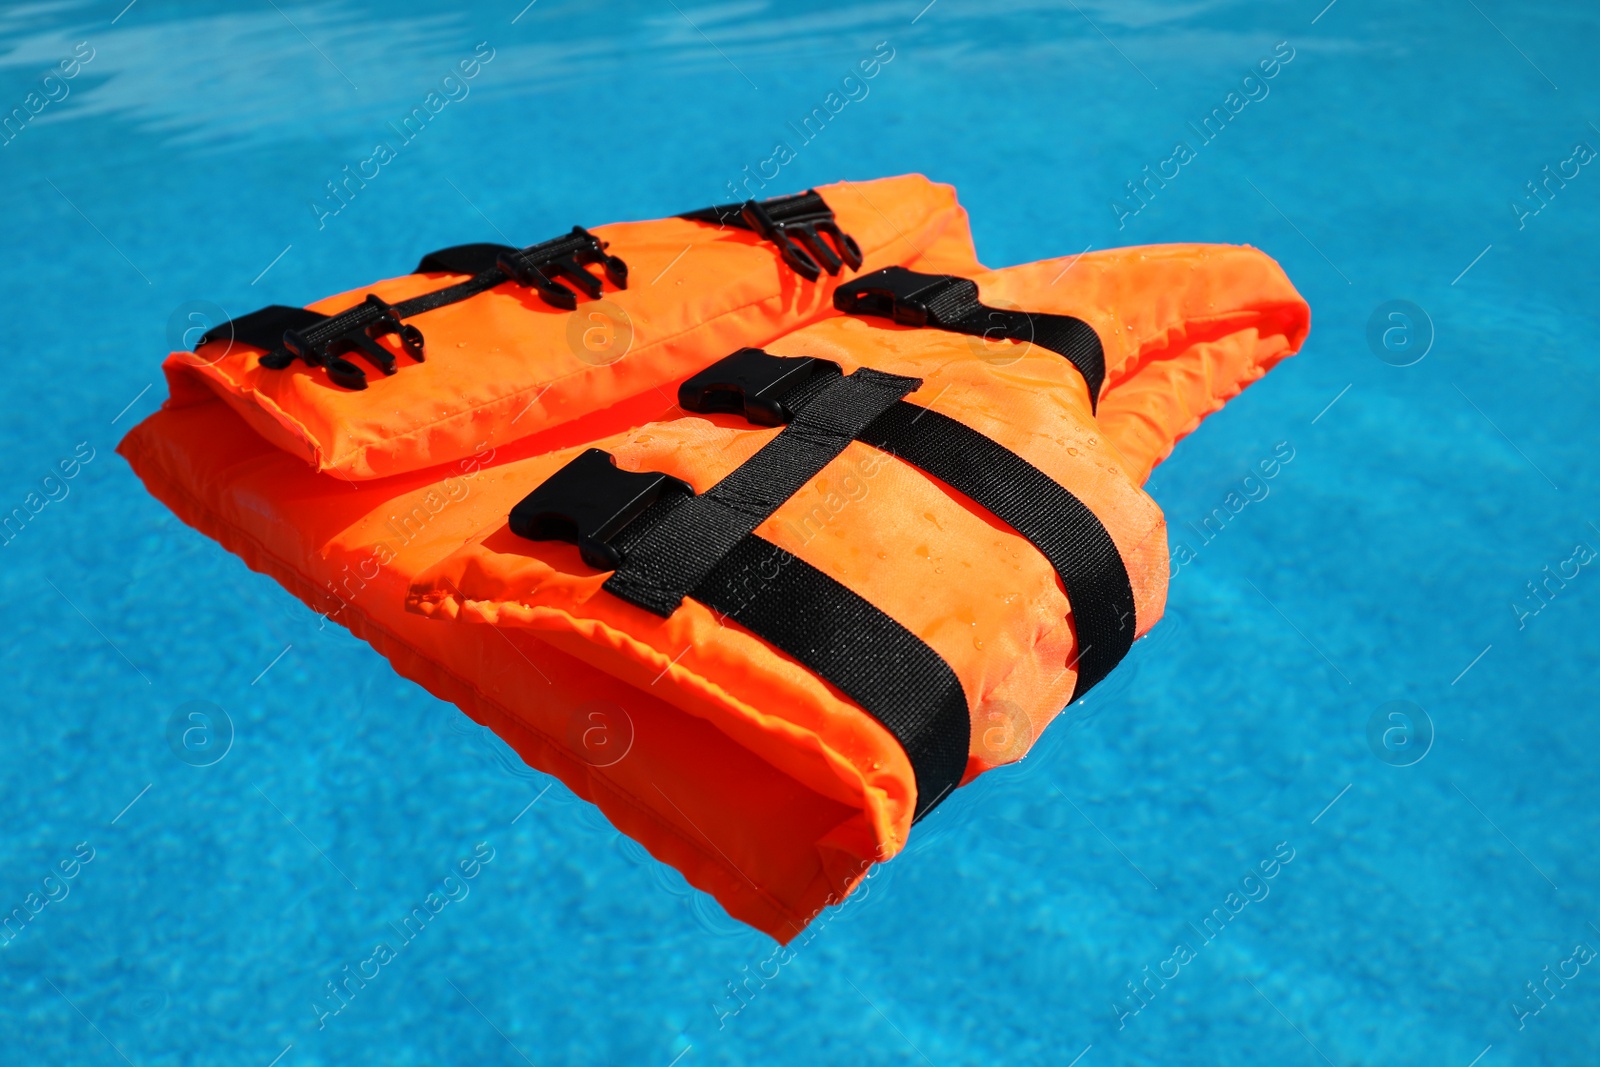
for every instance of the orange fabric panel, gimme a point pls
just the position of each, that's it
(503, 364)
(1185, 328)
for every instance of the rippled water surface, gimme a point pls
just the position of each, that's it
(1436, 894)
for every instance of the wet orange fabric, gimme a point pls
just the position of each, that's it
(1185, 328)
(758, 781)
(503, 364)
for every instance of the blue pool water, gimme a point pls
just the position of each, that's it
(1381, 163)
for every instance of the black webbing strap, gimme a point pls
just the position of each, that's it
(1029, 501)
(450, 294)
(462, 259)
(538, 267)
(263, 328)
(321, 340)
(856, 647)
(950, 302)
(771, 390)
(894, 675)
(677, 553)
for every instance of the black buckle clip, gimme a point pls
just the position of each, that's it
(794, 224)
(907, 297)
(538, 266)
(588, 502)
(324, 343)
(751, 383)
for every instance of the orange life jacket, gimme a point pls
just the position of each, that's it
(863, 561)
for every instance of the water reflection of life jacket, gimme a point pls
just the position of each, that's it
(866, 557)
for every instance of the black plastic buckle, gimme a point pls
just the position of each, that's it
(590, 501)
(538, 266)
(907, 297)
(324, 343)
(795, 224)
(752, 383)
